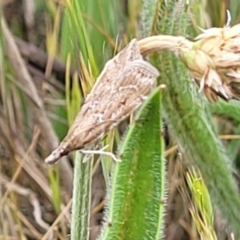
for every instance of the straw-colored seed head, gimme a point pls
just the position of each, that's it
(214, 62)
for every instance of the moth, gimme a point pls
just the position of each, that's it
(122, 86)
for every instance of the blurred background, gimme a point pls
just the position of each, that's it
(51, 52)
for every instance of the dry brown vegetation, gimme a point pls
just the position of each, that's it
(35, 199)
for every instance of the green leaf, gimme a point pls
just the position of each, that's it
(230, 109)
(81, 199)
(190, 120)
(135, 208)
(201, 207)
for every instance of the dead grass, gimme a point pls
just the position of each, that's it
(28, 208)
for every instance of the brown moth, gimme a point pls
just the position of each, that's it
(122, 86)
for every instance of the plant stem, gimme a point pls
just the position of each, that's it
(164, 42)
(81, 199)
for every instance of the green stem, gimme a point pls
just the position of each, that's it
(191, 123)
(81, 199)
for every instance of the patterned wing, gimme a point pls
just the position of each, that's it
(131, 89)
(137, 81)
(106, 82)
(121, 88)
(113, 70)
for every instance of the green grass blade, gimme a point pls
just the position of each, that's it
(147, 16)
(230, 109)
(191, 122)
(201, 207)
(135, 209)
(81, 199)
(54, 180)
(86, 29)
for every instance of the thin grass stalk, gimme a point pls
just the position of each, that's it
(80, 38)
(2, 78)
(201, 207)
(228, 109)
(81, 199)
(35, 103)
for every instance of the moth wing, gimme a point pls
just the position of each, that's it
(137, 81)
(121, 88)
(100, 115)
(132, 88)
(130, 53)
(114, 67)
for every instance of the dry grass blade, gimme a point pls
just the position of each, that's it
(35, 102)
(31, 230)
(58, 220)
(31, 197)
(19, 169)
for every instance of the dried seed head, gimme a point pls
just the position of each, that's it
(214, 62)
(124, 83)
